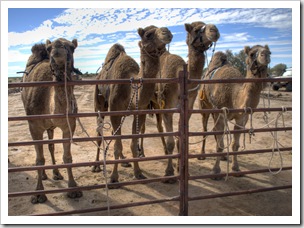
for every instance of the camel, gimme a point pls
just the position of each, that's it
(233, 95)
(118, 65)
(200, 37)
(51, 62)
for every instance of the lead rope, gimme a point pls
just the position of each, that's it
(100, 130)
(67, 102)
(228, 135)
(136, 88)
(276, 143)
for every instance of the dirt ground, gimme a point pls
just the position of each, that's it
(273, 203)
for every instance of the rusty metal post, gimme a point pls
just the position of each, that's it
(183, 142)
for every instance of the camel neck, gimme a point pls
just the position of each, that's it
(196, 63)
(149, 66)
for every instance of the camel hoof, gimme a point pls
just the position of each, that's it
(217, 178)
(38, 199)
(76, 194)
(126, 164)
(224, 158)
(169, 181)
(201, 158)
(140, 176)
(239, 175)
(96, 169)
(57, 176)
(112, 181)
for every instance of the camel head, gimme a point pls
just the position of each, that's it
(154, 39)
(61, 57)
(201, 36)
(219, 59)
(39, 54)
(258, 58)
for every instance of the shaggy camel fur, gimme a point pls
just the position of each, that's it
(50, 62)
(200, 37)
(233, 95)
(118, 65)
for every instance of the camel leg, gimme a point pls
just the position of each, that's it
(205, 117)
(134, 146)
(38, 135)
(56, 173)
(142, 131)
(236, 144)
(170, 144)
(219, 146)
(96, 168)
(116, 120)
(160, 129)
(67, 158)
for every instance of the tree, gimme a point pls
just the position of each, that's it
(237, 60)
(278, 69)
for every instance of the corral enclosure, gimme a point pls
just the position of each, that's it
(269, 203)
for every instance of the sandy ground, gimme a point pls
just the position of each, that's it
(274, 203)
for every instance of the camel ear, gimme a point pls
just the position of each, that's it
(141, 32)
(75, 42)
(188, 27)
(246, 49)
(47, 43)
(266, 47)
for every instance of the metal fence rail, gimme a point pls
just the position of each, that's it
(183, 134)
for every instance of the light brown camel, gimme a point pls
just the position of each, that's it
(118, 65)
(233, 95)
(51, 62)
(200, 37)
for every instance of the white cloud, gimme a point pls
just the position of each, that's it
(97, 29)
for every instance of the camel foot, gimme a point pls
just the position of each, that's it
(76, 194)
(236, 171)
(201, 158)
(38, 199)
(96, 169)
(224, 158)
(239, 175)
(126, 164)
(140, 176)
(113, 186)
(57, 176)
(169, 181)
(217, 178)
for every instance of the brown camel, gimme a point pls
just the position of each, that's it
(51, 62)
(233, 95)
(118, 65)
(200, 37)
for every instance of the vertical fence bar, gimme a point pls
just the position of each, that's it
(183, 142)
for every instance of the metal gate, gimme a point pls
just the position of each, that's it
(183, 134)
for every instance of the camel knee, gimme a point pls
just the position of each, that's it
(40, 161)
(67, 159)
(170, 145)
(235, 146)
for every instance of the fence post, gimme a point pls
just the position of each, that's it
(183, 142)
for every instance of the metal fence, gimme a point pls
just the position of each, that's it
(183, 134)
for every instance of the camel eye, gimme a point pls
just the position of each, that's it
(149, 35)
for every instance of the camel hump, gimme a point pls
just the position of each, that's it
(114, 52)
(39, 53)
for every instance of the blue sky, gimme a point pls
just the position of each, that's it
(97, 29)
